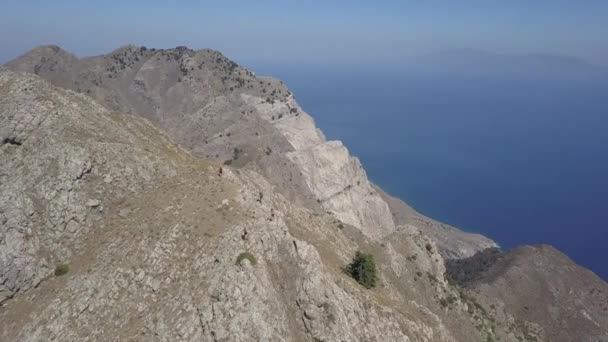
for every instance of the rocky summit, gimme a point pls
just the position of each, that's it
(173, 195)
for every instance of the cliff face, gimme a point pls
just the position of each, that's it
(158, 244)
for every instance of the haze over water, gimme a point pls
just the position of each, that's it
(521, 160)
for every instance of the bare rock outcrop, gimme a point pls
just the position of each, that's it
(51, 145)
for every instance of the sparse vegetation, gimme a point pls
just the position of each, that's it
(363, 269)
(463, 271)
(236, 153)
(248, 256)
(62, 269)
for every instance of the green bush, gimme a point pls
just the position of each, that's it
(62, 269)
(363, 269)
(248, 256)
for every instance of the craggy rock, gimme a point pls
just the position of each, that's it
(234, 225)
(222, 111)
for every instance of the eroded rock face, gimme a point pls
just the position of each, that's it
(222, 111)
(340, 184)
(55, 158)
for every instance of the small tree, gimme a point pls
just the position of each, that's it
(248, 256)
(363, 269)
(62, 269)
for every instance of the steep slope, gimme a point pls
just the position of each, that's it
(61, 165)
(151, 236)
(152, 233)
(539, 284)
(222, 111)
(453, 243)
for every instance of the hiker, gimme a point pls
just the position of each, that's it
(220, 171)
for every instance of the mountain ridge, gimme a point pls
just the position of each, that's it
(152, 217)
(152, 237)
(284, 126)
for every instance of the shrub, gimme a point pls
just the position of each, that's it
(363, 269)
(62, 269)
(236, 153)
(248, 256)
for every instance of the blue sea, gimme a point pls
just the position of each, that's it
(520, 160)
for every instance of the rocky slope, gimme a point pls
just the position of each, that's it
(157, 244)
(111, 231)
(452, 242)
(539, 284)
(222, 111)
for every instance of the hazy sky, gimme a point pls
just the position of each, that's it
(311, 31)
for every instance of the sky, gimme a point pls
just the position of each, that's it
(311, 32)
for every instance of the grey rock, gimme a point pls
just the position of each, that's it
(222, 111)
(93, 203)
